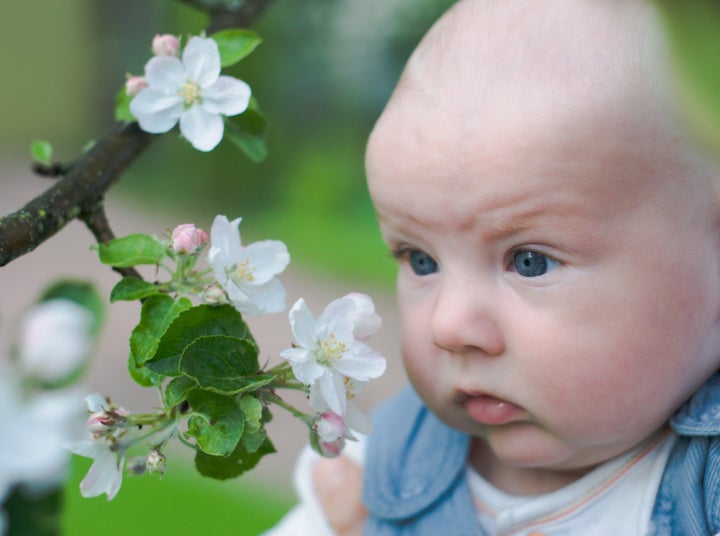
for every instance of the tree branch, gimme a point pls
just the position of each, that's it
(80, 193)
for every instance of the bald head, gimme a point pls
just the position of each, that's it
(524, 64)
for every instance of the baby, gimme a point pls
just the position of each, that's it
(558, 240)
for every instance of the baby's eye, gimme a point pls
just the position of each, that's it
(421, 263)
(532, 264)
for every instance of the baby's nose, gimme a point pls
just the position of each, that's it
(463, 319)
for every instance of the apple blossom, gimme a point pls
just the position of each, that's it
(55, 339)
(247, 273)
(192, 92)
(165, 45)
(105, 474)
(327, 355)
(187, 239)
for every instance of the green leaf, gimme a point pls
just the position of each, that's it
(177, 390)
(157, 314)
(694, 31)
(122, 107)
(131, 250)
(217, 422)
(132, 288)
(248, 131)
(235, 45)
(255, 434)
(198, 321)
(142, 375)
(224, 363)
(234, 465)
(42, 151)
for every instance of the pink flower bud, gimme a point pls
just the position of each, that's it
(332, 449)
(134, 85)
(187, 238)
(330, 427)
(102, 423)
(165, 45)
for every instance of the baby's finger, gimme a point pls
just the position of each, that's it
(338, 484)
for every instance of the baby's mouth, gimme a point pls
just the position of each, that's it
(489, 410)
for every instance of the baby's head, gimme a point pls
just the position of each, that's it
(558, 233)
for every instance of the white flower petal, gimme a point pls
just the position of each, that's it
(165, 74)
(227, 96)
(203, 129)
(361, 366)
(304, 367)
(201, 59)
(268, 258)
(104, 476)
(366, 320)
(225, 241)
(156, 112)
(302, 325)
(269, 298)
(241, 301)
(332, 389)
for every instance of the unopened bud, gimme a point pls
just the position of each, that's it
(330, 427)
(155, 462)
(332, 449)
(214, 295)
(165, 45)
(186, 238)
(102, 423)
(134, 85)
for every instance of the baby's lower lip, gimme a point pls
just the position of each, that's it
(486, 409)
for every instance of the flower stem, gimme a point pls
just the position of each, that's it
(304, 417)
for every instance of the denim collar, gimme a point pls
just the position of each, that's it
(700, 416)
(419, 461)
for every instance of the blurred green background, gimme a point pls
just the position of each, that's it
(322, 75)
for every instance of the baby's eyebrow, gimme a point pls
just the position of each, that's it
(510, 220)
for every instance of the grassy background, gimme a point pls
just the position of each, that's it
(183, 503)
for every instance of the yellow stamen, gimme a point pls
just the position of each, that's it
(190, 92)
(332, 348)
(244, 272)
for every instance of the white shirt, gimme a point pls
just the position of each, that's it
(625, 486)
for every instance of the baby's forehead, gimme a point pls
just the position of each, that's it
(487, 48)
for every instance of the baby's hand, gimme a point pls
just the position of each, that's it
(338, 484)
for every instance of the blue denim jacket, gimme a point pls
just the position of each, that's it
(415, 472)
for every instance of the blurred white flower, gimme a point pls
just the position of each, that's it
(34, 430)
(55, 339)
(192, 92)
(328, 354)
(247, 273)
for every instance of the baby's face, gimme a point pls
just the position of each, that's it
(559, 273)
